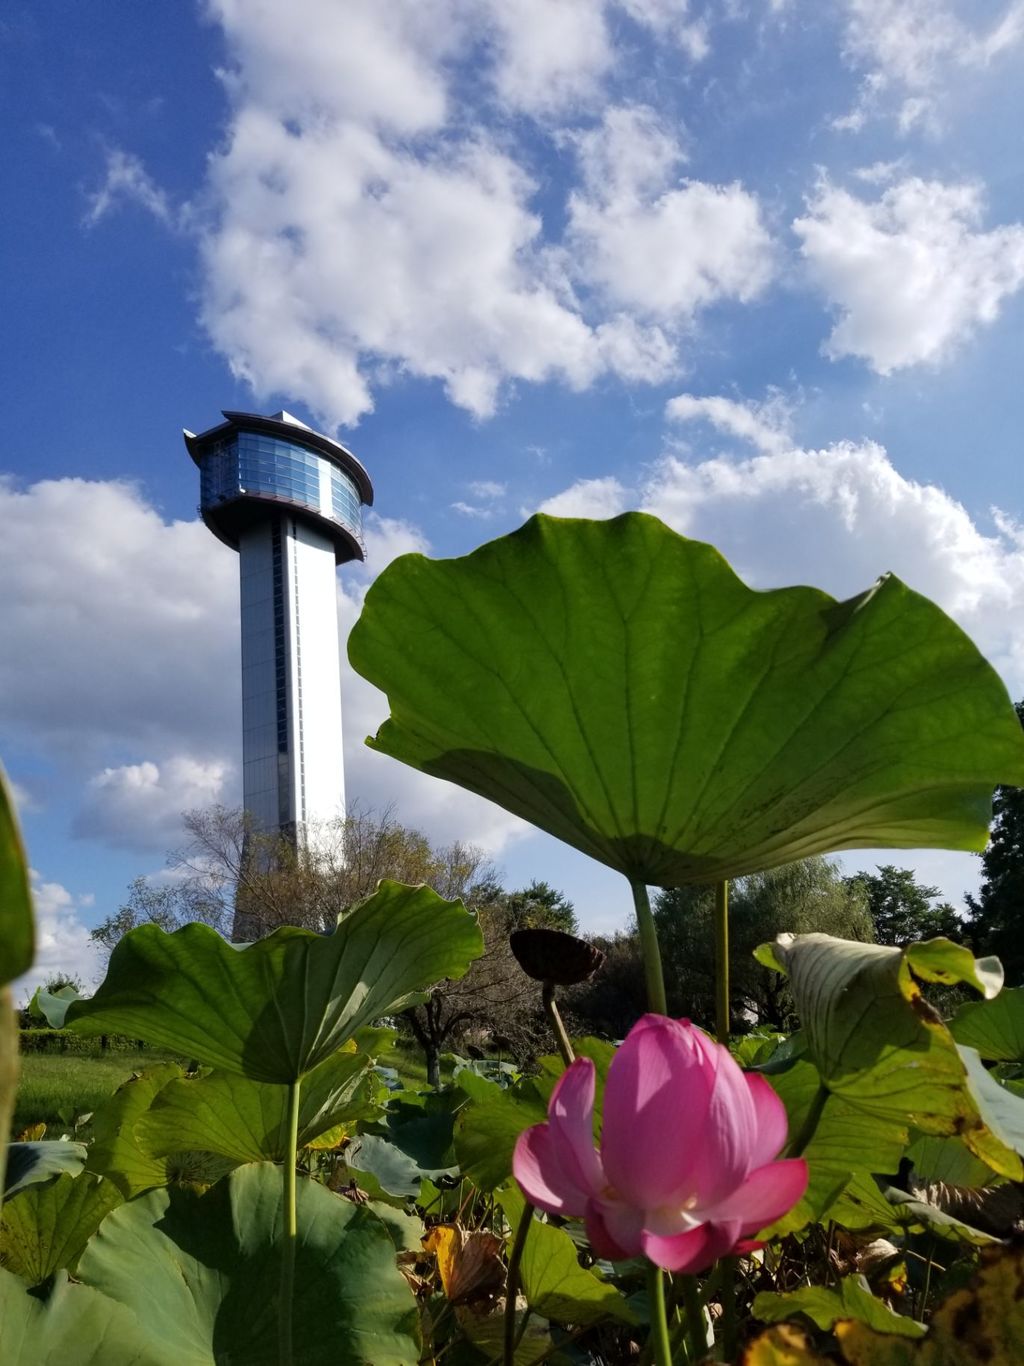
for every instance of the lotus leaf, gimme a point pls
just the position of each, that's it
(552, 1279)
(74, 1326)
(30, 1162)
(45, 1227)
(851, 1299)
(275, 1009)
(879, 1046)
(619, 686)
(247, 1121)
(202, 1273)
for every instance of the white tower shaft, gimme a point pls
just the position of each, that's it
(293, 775)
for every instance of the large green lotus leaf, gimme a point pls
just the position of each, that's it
(847, 1147)
(202, 1273)
(411, 1144)
(46, 1226)
(74, 1326)
(554, 1283)
(31, 1162)
(920, 1216)
(487, 1128)
(995, 1028)
(115, 1151)
(275, 1009)
(851, 1299)
(245, 1120)
(17, 940)
(880, 1047)
(618, 686)
(17, 945)
(949, 1161)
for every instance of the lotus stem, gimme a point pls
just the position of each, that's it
(730, 1332)
(661, 1348)
(694, 1319)
(290, 1237)
(512, 1287)
(555, 1020)
(652, 953)
(722, 1028)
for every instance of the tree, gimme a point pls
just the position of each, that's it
(901, 908)
(227, 875)
(611, 1001)
(801, 897)
(994, 923)
(540, 906)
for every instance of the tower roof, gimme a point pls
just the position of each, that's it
(289, 428)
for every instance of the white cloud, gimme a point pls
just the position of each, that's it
(115, 628)
(551, 54)
(62, 941)
(910, 274)
(358, 228)
(121, 666)
(139, 806)
(915, 49)
(332, 248)
(487, 488)
(670, 19)
(651, 246)
(587, 498)
(388, 537)
(765, 425)
(126, 180)
(488, 495)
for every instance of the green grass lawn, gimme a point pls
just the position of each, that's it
(56, 1088)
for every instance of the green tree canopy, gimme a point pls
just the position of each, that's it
(540, 906)
(802, 897)
(902, 908)
(996, 914)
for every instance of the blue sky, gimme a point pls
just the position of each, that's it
(754, 265)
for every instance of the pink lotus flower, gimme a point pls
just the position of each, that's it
(685, 1172)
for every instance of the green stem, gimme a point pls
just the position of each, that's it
(512, 1288)
(651, 952)
(555, 1020)
(287, 1284)
(659, 1342)
(694, 1318)
(799, 1141)
(730, 1333)
(722, 961)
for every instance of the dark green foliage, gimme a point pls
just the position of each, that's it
(800, 897)
(40, 1040)
(902, 909)
(996, 923)
(540, 906)
(614, 998)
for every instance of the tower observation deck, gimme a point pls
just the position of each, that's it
(290, 501)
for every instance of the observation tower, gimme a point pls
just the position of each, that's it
(290, 501)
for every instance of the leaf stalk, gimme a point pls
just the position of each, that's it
(722, 1022)
(660, 1345)
(512, 1285)
(653, 974)
(290, 1232)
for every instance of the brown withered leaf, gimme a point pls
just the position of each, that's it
(469, 1264)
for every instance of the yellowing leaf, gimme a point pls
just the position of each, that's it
(979, 1325)
(784, 1345)
(469, 1264)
